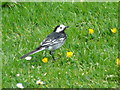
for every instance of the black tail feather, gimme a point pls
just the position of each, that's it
(28, 54)
(34, 51)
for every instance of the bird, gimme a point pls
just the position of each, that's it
(52, 42)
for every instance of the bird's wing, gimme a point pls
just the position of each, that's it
(53, 38)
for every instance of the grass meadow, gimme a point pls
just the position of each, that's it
(93, 64)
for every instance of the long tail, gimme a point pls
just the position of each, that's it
(32, 52)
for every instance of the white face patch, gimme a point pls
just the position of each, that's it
(60, 28)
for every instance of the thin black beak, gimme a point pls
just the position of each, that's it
(67, 26)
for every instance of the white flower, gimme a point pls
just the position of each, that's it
(39, 82)
(45, 74)
(31, 76)
(33, 67)
(17, 75)
(19, 85)
(28, 58)
(82, 73)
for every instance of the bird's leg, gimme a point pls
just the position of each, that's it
(51, 53)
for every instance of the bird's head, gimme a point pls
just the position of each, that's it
(60, 28)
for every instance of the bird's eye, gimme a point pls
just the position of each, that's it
(60, 27)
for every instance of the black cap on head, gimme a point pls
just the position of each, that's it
(60, 28)
(56, 28)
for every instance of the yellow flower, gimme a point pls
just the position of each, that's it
(91, 31)
(118, 61)
(114, 30)
(69, 54)
(45, 60)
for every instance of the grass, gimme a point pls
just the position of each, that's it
(25, 25)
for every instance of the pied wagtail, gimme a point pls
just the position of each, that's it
(52, 42)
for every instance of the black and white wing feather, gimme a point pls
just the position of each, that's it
(54, 40)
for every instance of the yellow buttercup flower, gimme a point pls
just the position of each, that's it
(114, 30)
(69, 54)
(91, 31)
(118, 61)
(45, 60)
